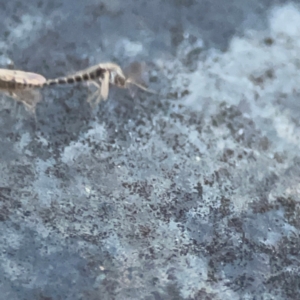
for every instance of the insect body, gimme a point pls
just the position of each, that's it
(14, 79)
(19, 85)
(106, 74)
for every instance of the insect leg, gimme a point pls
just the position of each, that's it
(92, 97)
(104, 87)
(94, 83)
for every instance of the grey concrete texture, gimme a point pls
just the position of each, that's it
(192, 193)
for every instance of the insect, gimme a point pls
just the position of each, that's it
(106, 74)
(19, 84)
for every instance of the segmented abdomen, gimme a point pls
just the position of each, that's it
(98, 73)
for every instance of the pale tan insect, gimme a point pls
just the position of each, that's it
(106, 74)
(19, 85)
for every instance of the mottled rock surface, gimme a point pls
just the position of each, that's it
(189, 194)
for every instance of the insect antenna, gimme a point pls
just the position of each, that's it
(134, 75)
(131, 81)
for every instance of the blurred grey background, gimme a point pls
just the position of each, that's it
(192, 193)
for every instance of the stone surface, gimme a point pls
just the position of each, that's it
(189, 194)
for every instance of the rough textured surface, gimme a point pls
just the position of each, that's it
(190, 194)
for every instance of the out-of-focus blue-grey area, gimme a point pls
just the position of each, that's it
(189, 194)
